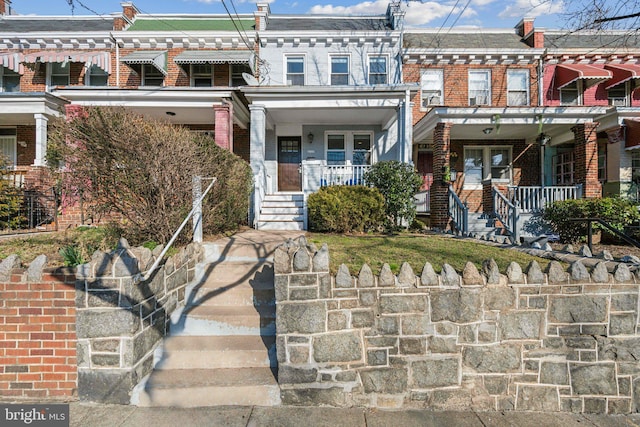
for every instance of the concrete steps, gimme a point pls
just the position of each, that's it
(222, 350)
(282, 212)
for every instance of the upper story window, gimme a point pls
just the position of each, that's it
(9, 80)
(339, 70)
(517, 87)
(236, 74)
(571, 94)
(151, 76)
(480, 87)
(59, 73)
(432, 87)
(378, 70)
(618, 95)
(96, 76)
(295, 70)
(201, 75)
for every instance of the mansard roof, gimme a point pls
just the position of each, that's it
(591, 40)
(476, 38)
(328, 23)
(65, 24)
(193, 23)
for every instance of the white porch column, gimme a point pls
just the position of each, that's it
(41, 139)
(408, 128)
(257, 139)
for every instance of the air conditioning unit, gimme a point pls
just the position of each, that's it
(618, 101)
(478, 100)
(432, 100)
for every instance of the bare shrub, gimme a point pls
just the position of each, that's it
(140, 171)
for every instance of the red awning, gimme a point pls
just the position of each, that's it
(622, 73)
(569, 73)
(632, 134)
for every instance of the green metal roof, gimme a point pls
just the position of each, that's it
(160, 24)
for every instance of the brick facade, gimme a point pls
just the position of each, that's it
(439, 188)
(586, 158)
(38, 337)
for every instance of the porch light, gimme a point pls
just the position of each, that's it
(487, 131)
(543, 139)
(310, 138)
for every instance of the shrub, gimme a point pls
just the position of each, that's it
(140, 171)
(345, 208)
(398, 183)
(10, 202)
(613, 210)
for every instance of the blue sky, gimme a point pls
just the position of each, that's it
(425, 13)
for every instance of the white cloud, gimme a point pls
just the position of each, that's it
(532, 8)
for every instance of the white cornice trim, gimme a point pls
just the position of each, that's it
(471, 56)
(79, 40)
(178, 39)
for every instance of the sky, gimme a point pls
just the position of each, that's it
(419, 13)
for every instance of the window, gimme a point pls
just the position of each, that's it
(481, 163)
(618, 95)
(151, 76)
(59, 73)
(635, 166)
(602, 162)
(339, 70)
(377, 70)
(9, 80)
(295, 70)
(431, 83)
(362, 149)
(236, 74)
(201, 75)
(480, 87)
(336, 154)
(517, 87)
(96, 76)
(570, 94)
(8, 148)
(563, 166)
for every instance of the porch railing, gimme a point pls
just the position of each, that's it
(459, 212)
(423, 201)
(535, 199)
(259, 191)
(15, 178)
(343, 175)
(507, 213)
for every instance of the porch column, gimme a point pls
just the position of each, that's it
(586, 158)
(440, 189)
(224, 126)
(257, 137)
(41, 139)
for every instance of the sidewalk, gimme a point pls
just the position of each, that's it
(91, 415)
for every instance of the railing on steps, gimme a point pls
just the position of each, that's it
(459, 212)
(507, 213)
(533, 199)
(343, 175)
(259, 192)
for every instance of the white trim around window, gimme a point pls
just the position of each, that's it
(479, 82)
(375, 74)
(518, 83)
(293, 74)
(431, 87)
(571, 94)
(340, 70)
(9, 80)
(353, 147)
(9, 146)
(58, 74)
(95, 76)
(482, 162)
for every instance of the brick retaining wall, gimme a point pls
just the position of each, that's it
(533, 340)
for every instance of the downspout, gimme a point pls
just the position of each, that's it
(117, 64)
(408, 127)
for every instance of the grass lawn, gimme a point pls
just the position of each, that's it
(416, 249)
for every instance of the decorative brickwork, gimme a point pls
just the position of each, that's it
(473, 340)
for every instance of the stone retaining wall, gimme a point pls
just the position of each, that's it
(121, 320)
(523, 340)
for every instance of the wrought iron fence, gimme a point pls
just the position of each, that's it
(29, 211)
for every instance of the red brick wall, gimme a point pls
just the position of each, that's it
(26, 155)
(241, 142)
(586, 158)
(440, 190)
(456, 83)
(37, 337)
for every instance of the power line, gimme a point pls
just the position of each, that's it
(236, 26)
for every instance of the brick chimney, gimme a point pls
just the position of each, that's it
(5, 7)
(530, 35)
(262, 16)
(129, 12)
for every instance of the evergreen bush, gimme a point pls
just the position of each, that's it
(342, 209)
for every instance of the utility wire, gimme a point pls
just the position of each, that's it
(236, 26)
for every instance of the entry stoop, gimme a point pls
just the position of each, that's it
(283, 211)
(221, 350)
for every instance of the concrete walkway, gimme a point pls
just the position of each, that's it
(285, 416)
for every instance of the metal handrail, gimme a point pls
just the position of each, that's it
(606, 225)
(459, 212)
(197, 202)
